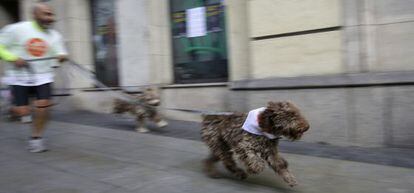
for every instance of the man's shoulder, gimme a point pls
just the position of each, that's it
(54, 32)
(17, 25)
(21, 24)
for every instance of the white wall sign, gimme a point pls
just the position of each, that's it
(196, 22)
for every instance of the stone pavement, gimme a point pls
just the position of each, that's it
(93, 159)
(191, 130)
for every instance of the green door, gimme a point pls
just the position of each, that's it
(199, 41)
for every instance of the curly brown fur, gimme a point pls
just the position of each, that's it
(224, 137)
(144, 108)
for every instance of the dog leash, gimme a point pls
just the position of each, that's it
(200, 111)
(40, 59)
(91, 76)
(128, 98)
(85, 72)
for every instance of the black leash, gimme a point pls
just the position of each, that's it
(200, 111)
(136, 102)
(40, 59)
(92, 76)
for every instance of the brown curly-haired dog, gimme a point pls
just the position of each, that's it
(224, 135)
(145, 107)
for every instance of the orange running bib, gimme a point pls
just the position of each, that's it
(36, 47)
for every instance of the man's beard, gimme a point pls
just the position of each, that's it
(47, 25)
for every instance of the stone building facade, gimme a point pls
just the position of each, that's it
(348, 64)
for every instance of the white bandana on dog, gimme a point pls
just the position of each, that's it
(251, 124)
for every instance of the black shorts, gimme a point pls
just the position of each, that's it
(21, 94)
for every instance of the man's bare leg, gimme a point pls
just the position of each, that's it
(36, 143)
(17, 112)
(41, 117)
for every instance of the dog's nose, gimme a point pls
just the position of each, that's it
(306, 127)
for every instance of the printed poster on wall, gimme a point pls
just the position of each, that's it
(196, 22)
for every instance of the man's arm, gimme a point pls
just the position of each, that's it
(7, 55)
(59, 48)
(10, 57)
(6, 38)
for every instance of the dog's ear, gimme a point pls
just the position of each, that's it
(265, 120)
(273, 105)
(277, 106)
(283, 106)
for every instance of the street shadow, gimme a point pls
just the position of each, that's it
(263, 180)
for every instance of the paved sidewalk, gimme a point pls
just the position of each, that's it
(191, 130)
(89, 159)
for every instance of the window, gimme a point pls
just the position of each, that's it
(199, 41)
(104, 38)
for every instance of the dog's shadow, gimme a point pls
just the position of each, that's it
(267, 179)
(128, 123)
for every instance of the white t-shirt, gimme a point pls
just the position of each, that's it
(27, 41)
(251, 124)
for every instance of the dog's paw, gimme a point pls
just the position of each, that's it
(162, 123)
(293, 182)
(241, 174)
(210, 170)
(289, 179)
(213, 174)
(142, 130)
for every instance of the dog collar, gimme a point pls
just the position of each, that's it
(270, 136)
(251, 124)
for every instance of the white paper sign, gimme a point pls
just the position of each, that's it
(196, 22)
